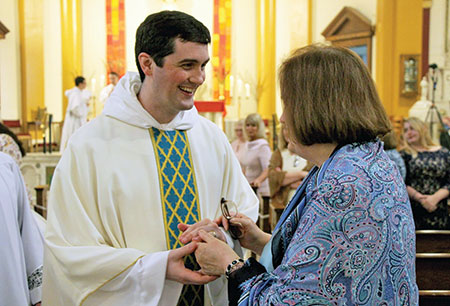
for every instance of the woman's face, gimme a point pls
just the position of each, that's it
(411, 135)
(293, 146)
(239, 131)
(251, 130)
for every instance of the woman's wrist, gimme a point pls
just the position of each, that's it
(261, 243)
(228, 260)
(233, 266)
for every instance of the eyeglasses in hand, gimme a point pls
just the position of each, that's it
(229, 210)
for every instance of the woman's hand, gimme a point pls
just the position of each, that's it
(295, 185)
(256, 183)
(176, 270)
(252, 237)
(429, 202)
(213, 255)
(190, 232)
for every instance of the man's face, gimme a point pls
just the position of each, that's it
(113, 79)
(174, 84)
(82, 85)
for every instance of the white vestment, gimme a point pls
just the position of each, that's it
(106, 240)
(105, 93)
(76, 113)
(22, 250)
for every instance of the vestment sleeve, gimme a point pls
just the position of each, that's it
(236, 187)
(141, 284)
(81, 253)
(32, 240)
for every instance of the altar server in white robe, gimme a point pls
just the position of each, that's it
(21, 253)
(129, 177)
(107, 90)
(77, 110)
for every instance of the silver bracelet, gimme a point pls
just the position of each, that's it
(233, 266)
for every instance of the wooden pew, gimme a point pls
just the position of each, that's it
(41, 200)
(433, 267)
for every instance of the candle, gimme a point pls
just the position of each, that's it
(239, 87)
(102, 80)
(231, 85)
(247, 90)
(93, 81)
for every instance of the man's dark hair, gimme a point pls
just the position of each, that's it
(79, 80)
(156, 35)
(114, 73)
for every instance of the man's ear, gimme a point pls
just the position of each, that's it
(146, 62)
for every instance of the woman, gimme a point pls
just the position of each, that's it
(347, 236)
(427, 176)
(255, 163)
(239, 145)
(286, 171)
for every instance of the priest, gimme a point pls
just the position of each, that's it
(131, 176)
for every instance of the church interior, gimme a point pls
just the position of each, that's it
(46, 44)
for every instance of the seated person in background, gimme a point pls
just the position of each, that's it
(10, 144)
(390, 147)
(427, 176)
(347, 237)
(239, 145)
(286, 172)
(22, 250)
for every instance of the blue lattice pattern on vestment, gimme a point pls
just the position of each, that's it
(178, 195)
(179, 190)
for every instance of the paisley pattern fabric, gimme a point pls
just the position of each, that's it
(427, 173)
(352, 244)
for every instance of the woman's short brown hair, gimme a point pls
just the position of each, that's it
(330, 97)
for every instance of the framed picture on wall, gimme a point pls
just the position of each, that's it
(409, 75)
(352, 30)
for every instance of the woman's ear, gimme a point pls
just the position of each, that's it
(146, 62)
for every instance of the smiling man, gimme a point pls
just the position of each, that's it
(130, 176)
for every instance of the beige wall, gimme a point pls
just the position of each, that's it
(10, 95)
(324, 12)
(93, 24)
(243, 58)
(291, 33)
(52, 59)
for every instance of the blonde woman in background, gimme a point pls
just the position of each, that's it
(239, 144)
(255, 162)
(427, 176)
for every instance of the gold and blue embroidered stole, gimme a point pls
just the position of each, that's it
(179, 197)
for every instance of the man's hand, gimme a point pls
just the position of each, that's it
(176, 270)
(191, 231)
